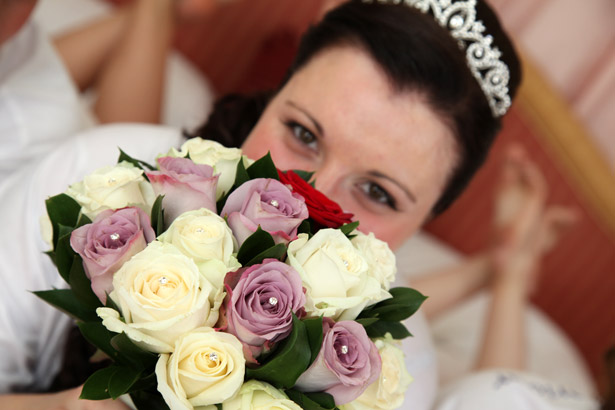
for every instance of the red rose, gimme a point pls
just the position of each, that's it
(325, 212)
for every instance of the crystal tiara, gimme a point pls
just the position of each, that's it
(459, 17)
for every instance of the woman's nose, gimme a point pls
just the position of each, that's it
(328, 177)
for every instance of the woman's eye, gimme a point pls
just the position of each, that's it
(304, 135)
(378, 194)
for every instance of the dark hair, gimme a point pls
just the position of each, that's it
(417, 55)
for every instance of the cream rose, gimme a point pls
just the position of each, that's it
(388, 391)
(205, 368)
(380, 258)
(257, 395)
(161, 295)
(112, 188)
(206, 238)
(224, 160)
(335, 275)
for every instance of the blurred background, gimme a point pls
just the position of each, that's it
(564, 117)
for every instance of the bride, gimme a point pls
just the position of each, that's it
(394, 106)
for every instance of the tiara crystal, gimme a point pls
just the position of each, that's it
(483, 59)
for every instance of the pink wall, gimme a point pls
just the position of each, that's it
(573, 43)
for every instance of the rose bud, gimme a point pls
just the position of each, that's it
(224, 160)
(348, 362)
(105, 244)
(266, 203)
(325, 212)
(186, 186)
(255, 394)
(206, 367)
(261, 304)
(161, 295)
(113, 187)
(388, 392)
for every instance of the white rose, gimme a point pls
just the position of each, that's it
(161, 295)
(112, 188)
(206, 367)
(388, 391)
(206, 238)
(380, 258)
(257, 395)
(334, 274)
(224, 160)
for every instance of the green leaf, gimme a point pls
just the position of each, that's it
(148, 399)
(219, 406)
(52, 256)
(404, 303)
(64, 257)
(366, 321)
(81, 285)
(255, 244)
(263, 168)
(311, 401)
(290, 360)
(305, 175)
(122, 380)
(305, 227)
(83, 220)
(157, 217)
(96, 387)
(136, 162)
(241, 175)
(99, 336)
(348, 228)
(126, 347)
(313, 328)
(66, 301)
(382, 327)
(62, 210)
(276, 252)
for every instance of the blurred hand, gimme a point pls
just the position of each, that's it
(525, 228)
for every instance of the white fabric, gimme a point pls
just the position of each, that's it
(457, 333)
(506, 390)
(39, 105)
(31, 332)
(188, 96)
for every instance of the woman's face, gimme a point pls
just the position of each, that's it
(382, 154)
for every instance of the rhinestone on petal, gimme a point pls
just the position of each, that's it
(344, 349)
(114, 236)
(274, 203)
(273, 301)
(346, 264)
(163, 280)
(112, 180)
(213, 357)
(199, 230)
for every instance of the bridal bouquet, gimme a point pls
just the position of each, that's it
(215, 282)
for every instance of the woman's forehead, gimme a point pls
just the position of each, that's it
(370, 122)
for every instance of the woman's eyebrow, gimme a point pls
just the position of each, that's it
(406, 190)
(307, 114)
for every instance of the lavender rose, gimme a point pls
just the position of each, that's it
(268, 203)
(113, 238)
(261, 304)
(347, 364)
(186, 186)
